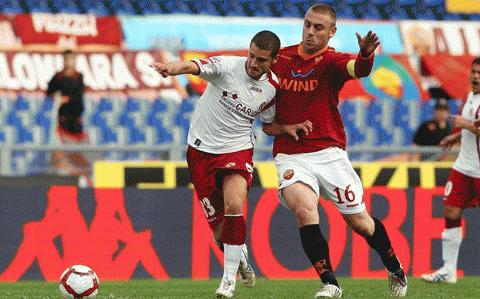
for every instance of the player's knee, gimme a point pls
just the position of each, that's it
(306, 214)
(234, 206)
(452, 213)
(361, 223)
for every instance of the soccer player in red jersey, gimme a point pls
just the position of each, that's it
(220, 142)
(311, 75)
(462, 190)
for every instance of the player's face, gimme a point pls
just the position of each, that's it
(70, 61)
(318, 29)
(475, 78)
(259, 61)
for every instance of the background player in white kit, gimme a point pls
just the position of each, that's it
(462, 190)
(220, 142)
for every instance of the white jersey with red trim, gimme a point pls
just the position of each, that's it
(224, 115)
(468, 160)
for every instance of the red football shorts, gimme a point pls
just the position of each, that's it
(207, 172)
(462, 191)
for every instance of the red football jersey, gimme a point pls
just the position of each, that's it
(309, 88)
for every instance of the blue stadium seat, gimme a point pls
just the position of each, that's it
(65, 6)
(427, 110)
(159, 105)
(132, 105)
(148, 7)
(94, 7)
(105, 104)
(123, 7)
(38, 5)
(235, 9)
(180, 7)
(368, 11)
(455, 106)
(10, 7)
(206, 7)
(437, 7)
(289, 10)
(21, 103)
(261, 9)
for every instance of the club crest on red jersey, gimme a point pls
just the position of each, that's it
(230, 165)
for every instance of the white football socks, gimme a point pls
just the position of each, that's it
(451, 241)
(244, 255)
(232, 255)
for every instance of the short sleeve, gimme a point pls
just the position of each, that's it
(268, 115)
(210, 68)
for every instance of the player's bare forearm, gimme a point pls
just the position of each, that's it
(176, 68)
(272, 129)
(462, 123)
(295, 130)
(448, 141)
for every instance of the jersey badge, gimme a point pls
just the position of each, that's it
(288, 174)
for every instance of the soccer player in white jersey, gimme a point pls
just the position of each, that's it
(462, 190)
(220, 142)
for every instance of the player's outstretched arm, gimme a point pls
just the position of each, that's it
(176, 68)
(362, 65)
(368, 43)
(458, 121)
(295, 130)
(447, 142)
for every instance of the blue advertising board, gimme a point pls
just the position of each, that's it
(216, 33)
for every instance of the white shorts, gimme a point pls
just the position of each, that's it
(328, 172)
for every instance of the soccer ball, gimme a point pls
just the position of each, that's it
(79, 282)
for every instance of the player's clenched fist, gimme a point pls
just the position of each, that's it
(161, 68)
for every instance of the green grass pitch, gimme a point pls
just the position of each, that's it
(266, 289)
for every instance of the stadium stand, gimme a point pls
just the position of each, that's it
(109, 121)
(347, 9)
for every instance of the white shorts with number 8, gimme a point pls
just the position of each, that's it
(328, 172)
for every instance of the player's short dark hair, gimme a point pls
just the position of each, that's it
(476, 60)
(267, 40)
(326, 10)
(68, 52)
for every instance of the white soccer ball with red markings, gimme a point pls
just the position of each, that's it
(79, 281)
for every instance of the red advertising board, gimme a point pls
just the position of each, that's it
(116, 230)
(67, 29)
(8, 38)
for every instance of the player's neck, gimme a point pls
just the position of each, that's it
(310, 54)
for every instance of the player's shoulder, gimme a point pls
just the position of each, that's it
(332, 53)
(231, 59)
(233, 62)
(288, 52)
(273, 79)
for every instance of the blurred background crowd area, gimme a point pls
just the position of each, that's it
(132, 113)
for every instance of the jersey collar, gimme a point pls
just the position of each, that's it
(305, 56)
